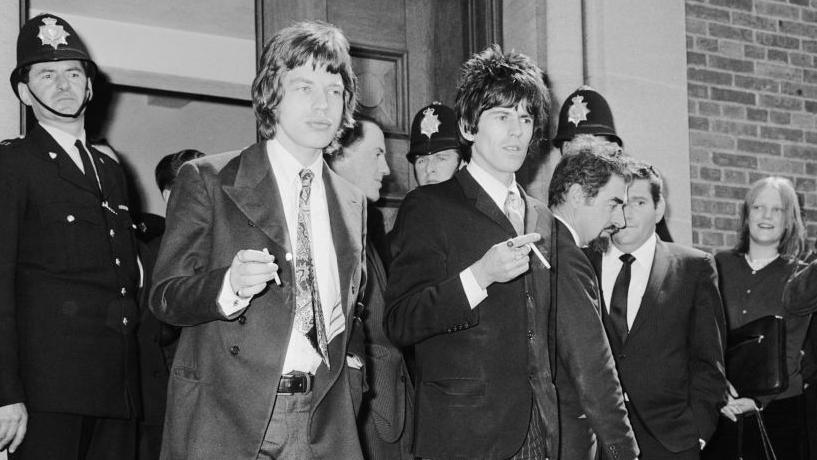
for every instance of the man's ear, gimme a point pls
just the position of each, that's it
(90, 89)
(25, 95)
(467, 135)
(660, 208)
(575, 195)
(166, 194)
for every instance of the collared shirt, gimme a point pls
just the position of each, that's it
(301, 356)
(67, 141)
(498, 193)
(570, 228)
(639, 275)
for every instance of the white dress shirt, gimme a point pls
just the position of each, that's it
(66, 141)
(498, 193)
(639, 275)
(301, 356)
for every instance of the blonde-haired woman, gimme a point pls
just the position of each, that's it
(752, 277)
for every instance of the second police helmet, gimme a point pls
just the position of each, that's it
(48, 38)
(585, 111)
(433, 129)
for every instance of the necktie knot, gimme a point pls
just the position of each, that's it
(306, 176)
(515, 211)
(627, 259)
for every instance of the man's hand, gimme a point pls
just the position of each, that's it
(250, 272)
(504, 261)
(13, 421)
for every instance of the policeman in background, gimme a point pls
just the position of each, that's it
(68, 269)
(586, 122)
(435, 148)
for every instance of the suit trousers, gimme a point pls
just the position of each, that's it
(55, 436)
(287, 434)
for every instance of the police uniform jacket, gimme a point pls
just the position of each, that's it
(68, 275)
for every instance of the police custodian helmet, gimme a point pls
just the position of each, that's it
(585, 111)
(434, 129)
(48, 38)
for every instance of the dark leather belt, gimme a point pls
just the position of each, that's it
(296, 382)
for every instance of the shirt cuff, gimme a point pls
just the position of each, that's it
(473, 292)
(228, 301)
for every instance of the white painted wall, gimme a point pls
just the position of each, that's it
(9, 106)
(637, 60)
(144, 128)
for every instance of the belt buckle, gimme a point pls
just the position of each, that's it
(298, 382)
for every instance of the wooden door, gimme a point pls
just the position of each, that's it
(406, 53)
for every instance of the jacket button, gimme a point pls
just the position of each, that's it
(622, 356)
(234, 350)
(251, 223)
(530, 335)
(242, 319)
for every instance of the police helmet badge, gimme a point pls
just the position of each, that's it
(52, 34)
(578, 110)
(430, 123)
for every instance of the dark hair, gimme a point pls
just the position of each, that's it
(640, 170)
(493, 79)
(349, 136)
(587, 169)
(168, 167)
(315, 42)
(793, 239)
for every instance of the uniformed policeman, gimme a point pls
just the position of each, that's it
(435, 149)
(586, 122)
(68, 269)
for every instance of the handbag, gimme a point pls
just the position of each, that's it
(756, 357)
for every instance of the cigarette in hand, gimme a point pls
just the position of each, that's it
(539, 255)
(276, 279)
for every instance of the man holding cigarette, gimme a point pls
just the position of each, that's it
(262, 262)
(465, 289)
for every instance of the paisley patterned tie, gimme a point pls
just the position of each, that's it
(308, 312)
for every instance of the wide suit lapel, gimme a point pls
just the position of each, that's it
(49, 150)
(255, 192)
(482, 201)
(651, 298)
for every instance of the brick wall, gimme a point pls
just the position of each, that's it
(752, 74)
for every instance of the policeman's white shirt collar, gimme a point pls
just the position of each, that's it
(493, 187)
(573, 233)
(639, 275)
(66, 141)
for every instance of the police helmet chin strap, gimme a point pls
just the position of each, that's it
(86, 100)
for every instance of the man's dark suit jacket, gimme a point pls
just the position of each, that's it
(671, 364)
(590, 396)
(477, 370)
(225, 373)
(68, 279)
(387, 415)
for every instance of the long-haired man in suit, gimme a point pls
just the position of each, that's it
(261, 264)
(664, 318)
(463, 289)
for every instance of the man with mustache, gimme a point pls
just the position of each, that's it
(586, 195)
(68, 271)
